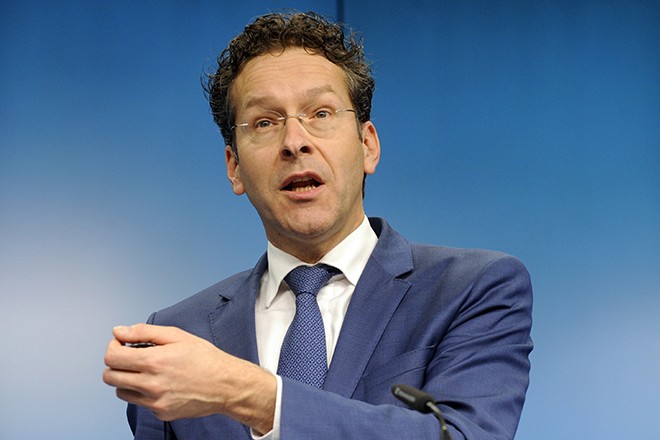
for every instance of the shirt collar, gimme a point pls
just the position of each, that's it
(350, 256)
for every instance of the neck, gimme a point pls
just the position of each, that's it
(311, 248)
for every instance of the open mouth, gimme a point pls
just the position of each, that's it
(302, 184)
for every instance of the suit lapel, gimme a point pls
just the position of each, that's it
(232, 323)
(375, 299)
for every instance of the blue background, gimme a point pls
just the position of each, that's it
(528, 127)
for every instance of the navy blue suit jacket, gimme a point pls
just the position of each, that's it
(453, 322)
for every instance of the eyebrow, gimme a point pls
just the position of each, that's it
(269, 100)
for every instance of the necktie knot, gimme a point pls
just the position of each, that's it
(309, 279)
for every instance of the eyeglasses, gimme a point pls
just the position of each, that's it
(265, 127)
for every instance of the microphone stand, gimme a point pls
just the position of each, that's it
(422, 402)
(168, 431)
(444, 431)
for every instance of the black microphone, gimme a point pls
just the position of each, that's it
(422, 402)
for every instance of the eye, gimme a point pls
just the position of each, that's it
(264, 120)
(322, 114)
(262, 124)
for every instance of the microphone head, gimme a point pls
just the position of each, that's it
(413, 397)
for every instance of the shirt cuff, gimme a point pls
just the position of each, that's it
(274, 434)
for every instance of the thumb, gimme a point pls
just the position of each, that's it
(155, 334)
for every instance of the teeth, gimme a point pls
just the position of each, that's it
(303, 188)
(302, 184)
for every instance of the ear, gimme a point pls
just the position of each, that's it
(371, 146)
(233, 173)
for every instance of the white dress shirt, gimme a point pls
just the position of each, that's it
(276, 303)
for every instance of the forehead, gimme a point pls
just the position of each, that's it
(292, 76)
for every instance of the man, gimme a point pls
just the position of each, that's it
(292, 97)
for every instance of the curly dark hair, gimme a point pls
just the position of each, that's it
(276, 32)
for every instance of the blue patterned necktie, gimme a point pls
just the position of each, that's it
(304, 356)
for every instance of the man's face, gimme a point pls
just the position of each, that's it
(306, 189)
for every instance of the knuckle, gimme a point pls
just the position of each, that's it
(107, 377)
(162, 411)
(108, 358)
(157, 388)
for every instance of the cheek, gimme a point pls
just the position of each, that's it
(349, 170)
(355, 161)
(255, 172)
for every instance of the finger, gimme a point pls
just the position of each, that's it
(126, 380)
(130, 396)
(135, 397)
(113, 344)
(120, 357)
(117, 357)
(151, 403)
(139, 333)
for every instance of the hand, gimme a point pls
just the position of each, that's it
(186, 376)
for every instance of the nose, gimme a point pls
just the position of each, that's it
(295, 139)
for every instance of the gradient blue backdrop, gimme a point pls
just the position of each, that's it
(528, 127)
